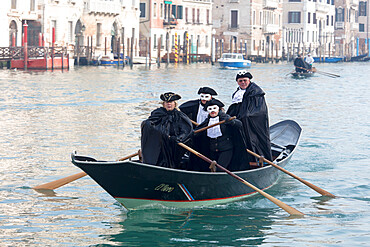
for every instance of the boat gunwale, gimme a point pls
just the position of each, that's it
(180, 170)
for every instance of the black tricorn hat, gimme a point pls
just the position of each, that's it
(213, 102)
(243, 73)
(168, 97)
(207, 90)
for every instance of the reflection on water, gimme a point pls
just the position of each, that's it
(44, 116)
(194, 227)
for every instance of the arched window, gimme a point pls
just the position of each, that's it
(339, 14)
(13, 33)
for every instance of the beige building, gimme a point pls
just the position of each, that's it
(13, 15)
(253, 28)
(75, 22)
(309, 27)
(363, 27)
(346, 27)
(162, 22)
(97, 23)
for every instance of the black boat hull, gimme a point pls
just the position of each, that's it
(134, 184)
(302, 75)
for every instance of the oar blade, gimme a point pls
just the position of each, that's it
(314, 187)
(60, 182)
(279, 203)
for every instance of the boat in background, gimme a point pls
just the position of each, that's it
(299, 75)
(143, 60)
(107, 60)
(360, 58)
(328, 59)
(234, 60)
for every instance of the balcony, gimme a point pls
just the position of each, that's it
(339, 25)
(270, 28)
(270, 4)
(353, 3)
(170, 23)
(323, 7)
(233, 27)
(103, 7)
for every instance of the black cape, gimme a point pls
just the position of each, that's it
(299, 63)
(201, 144)
(190, 108)
(253, 113)
(160, 134)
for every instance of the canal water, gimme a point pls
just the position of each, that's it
(97, 111)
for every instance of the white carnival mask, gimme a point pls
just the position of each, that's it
(212, 108)
(205, 96)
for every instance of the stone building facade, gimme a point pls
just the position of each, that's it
(253, 28)
(75, 22)
(309, 27)
(363, 27)
(188, 21)
(346, 27)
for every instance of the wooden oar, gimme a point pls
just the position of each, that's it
(213, 125)
(289, 209)
(326, 73)
(193, 122)
(63, 181)
(314, 187)
(320, 72)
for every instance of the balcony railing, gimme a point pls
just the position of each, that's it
(353, 2)
(170, 22)
(339, 25)
(270, 28)
(270, 4)
(105, 7)
(323, 7)
(232, 27)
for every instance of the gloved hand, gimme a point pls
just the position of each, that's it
(173, 139)
(212, 166)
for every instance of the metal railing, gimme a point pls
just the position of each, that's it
(9, 53)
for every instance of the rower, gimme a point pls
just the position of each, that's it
(249, 106)
(222, 143)
(194, 109)
(160, 133)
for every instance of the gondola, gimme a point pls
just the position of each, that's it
(137, 185)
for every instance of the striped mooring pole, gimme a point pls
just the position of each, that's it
(176, 49)
(188, 50)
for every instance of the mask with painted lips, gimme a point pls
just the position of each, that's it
(213, 108)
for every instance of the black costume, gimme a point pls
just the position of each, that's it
(228, 149)
(160, 134)
(300, 65)
(191, 107)
(252, 112)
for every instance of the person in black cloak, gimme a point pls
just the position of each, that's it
(194, 109)
(160, 133)
(224, 143)
(249, 106)
(300, 65)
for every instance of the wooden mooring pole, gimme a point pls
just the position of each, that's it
(25, 30)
